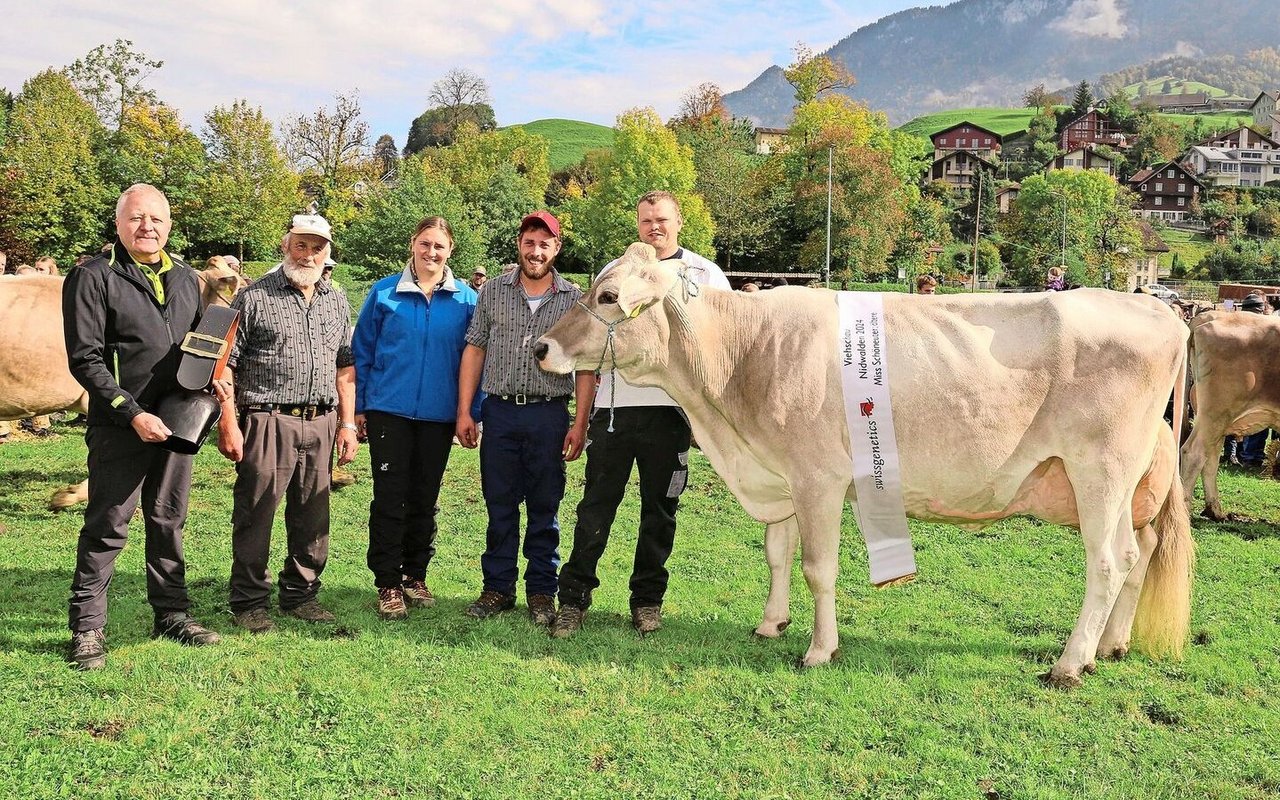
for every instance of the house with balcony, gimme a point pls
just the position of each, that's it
(1166, 191)
(1084, 158)
(968, 137)
(1092, 127)
(1266, 111)
(960, 170)
(1241, 157)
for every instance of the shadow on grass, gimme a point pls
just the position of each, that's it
(33, 607)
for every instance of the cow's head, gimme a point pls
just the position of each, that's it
(619, 321)
(219, 286)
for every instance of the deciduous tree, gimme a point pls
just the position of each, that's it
(438, 127)
(113, 80)
(330, 150)
(814, 75)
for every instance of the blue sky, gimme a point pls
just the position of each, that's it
(579, 59)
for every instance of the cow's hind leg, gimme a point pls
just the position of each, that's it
(1106, 526)
(1200, 460)
(1115, 637)
(780, 540)
(819, 520)
(68, 496)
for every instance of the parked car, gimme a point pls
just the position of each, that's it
(1163, 292)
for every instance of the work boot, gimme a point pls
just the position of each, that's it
(391, 603)
(417, 594)
(490, 603)
(182, 628)
(255, 620)
(568, 621)
(311, 611)
(89, 649)
(647, 619)
(542, 609)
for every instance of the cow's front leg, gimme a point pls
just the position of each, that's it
(819, 522)
(780, 539)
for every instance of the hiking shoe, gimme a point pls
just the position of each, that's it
(182, 628)
(311, 611)
(417, 594)
(255, 620)
(391, 603)
(542, 609)
(89, 649)
(647, 619)
(568, 621)
(490, 603)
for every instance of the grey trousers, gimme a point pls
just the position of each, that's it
(285, 457)
(123, 469)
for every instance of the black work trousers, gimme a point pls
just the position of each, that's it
(124, 470)
(408, 458)
(656, 440)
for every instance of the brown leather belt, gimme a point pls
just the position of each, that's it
(289, 409)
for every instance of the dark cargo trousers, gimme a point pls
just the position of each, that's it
(124, 470)
(285, 457)
(656, 440)
(407, 458)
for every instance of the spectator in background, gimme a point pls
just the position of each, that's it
(25, 269)
(926, 284)
(1057, 280)
(749, 287)
(4, 262)
(45, 265)
(234, 263)
(408, 347)
(478, 277)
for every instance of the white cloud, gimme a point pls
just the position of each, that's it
(1098, 18)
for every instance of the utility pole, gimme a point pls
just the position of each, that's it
(977, 228)
(827, 269)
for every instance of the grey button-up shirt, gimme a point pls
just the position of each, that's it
(505, 329)
(288, 351)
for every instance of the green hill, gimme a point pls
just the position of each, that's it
(1003, 121)
(1176, 86)
(570, 139)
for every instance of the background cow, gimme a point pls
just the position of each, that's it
(34, 378)
(1046, 404)
(1235, 363)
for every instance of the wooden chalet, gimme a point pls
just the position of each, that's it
(1166, 191)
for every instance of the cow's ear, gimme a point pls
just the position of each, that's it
(635, 294)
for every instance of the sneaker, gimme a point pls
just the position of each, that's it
(490, 603)
(417, 594)
(255, 620)
(182, 628)
(647, 619)
(89, 649)
(568, 621)
(311, 611)
(391, 603)
(542, 609)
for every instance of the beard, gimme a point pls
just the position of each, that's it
(303, 277)
(535, 270)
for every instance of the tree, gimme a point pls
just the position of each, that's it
(378, 238)
(112, 80)
(248, 192)
(1082, 100)
(386, 155)
(1167, 87)
(1038, 97)
(459, 87)
(52, 195)
(329, 149)
(438, 127)
(700, 106)
(646, 157)
(812, 75)
(154, 146)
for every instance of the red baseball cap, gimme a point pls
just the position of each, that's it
(541, 219)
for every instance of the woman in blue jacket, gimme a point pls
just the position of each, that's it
(407, 345)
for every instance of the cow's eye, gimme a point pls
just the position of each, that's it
(608, 298)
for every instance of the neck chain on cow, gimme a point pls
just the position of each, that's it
(690, 289)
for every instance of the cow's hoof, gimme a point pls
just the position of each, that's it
(771, 631)
(814, 658)
(1066, 682)
(1213, 516)
(66, 497)
(1115, 653)
(1091, 667)
(340, 479)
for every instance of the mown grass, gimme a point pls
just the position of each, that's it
(935, 694)
(570, 139)
(1005, 121)
(1190, 247)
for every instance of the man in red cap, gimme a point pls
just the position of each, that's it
(527, 432)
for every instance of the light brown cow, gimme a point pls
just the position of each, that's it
(34, 378)
(1049, 405)
(1235, 363)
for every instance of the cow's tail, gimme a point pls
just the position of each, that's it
(1163, 619)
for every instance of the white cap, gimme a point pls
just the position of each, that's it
(313, 224)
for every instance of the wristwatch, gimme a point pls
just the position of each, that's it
(351, 426)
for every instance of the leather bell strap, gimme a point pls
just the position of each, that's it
(206, 349)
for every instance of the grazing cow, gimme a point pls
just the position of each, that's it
(34, 378)
(1042, 404)
(1234, 357)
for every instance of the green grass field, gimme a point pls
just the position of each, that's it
(570, 139)
(1176, 86)
(935, 695)
(1190, 246)
(1005, 121)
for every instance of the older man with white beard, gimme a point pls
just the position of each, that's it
(288, 395)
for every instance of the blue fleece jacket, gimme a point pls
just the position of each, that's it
(408, 349)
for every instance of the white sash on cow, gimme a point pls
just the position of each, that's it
(877, 476)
